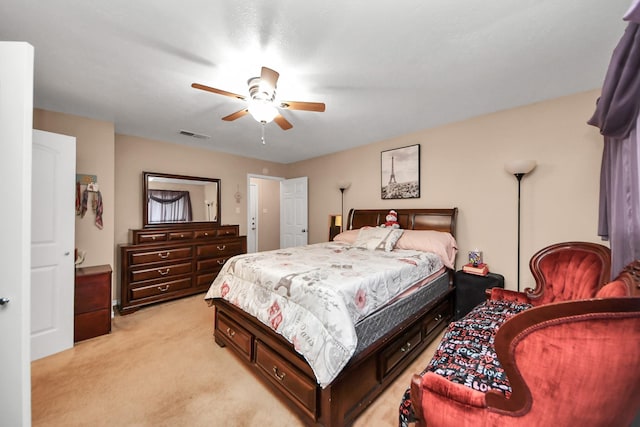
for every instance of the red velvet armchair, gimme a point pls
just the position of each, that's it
(571, 363)
(564, 272)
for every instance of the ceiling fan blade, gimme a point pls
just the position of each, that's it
(282, 122)
(306, 106)
(269, 76)
(218, 91)
(235, 115)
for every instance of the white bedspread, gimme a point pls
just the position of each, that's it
(314, 295)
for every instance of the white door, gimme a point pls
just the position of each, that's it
(16, 122)
(252, 234)
(52, 241)
(293, 212)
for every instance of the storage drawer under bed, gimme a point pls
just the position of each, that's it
(286, 377)
(235, 335)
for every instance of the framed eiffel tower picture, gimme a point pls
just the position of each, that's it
(400, 173)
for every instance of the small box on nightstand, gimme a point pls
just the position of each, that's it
(470, 290)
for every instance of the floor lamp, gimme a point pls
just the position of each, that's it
(519, 168)
(342, 185)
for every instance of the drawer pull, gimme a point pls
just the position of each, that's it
(153, 237)
(165, 272)
(182, 236)
(231, 332)
(438, 318)
(278, 374)
(405, 347)
(221, 261)
(221, 248)
(164, 288)
(163, 255)
(206, 234)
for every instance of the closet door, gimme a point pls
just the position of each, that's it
(16, 107)
(52, 243)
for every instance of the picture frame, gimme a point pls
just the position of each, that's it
(400, 173)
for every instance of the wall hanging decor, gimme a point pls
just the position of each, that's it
(400, 173)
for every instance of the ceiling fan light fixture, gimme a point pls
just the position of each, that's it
(262, 111)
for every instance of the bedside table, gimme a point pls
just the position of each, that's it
(470, 290)
(92, 313)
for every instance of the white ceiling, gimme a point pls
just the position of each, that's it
(382, 68)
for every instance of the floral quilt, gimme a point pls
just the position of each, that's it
(314, 295)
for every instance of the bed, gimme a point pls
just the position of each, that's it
(340, 374)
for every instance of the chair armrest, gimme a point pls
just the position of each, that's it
(508, 295)
(434, 383)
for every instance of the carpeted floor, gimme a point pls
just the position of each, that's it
(161, 367)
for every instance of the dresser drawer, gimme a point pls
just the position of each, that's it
(211, 264)
(227, 231)
(145, 291)
(181, 235)
(206, 279)
(91, 324)
(228, 247)
(234, 334)
(286, 377)
(205, 234)
(92, 291)
(399, 350)
(170, 254)
(151, 238)
(161, 271)
(442, 313)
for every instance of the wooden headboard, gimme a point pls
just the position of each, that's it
(409, 219)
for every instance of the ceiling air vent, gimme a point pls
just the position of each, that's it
(193, 134)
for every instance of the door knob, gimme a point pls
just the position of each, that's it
(304, 230)
(4, 301)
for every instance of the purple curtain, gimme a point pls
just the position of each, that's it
(617, 116)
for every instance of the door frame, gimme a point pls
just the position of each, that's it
(249, 176)
(252, 204)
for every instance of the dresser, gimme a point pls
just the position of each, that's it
(162, 264)
(92, 302)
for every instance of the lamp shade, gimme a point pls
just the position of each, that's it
(520, 166)
(262, 111)
(343, 185)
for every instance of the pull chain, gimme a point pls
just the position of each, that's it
(262, 139)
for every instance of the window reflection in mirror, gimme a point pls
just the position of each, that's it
(180, 199)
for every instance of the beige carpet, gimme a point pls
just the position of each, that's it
(161, 367)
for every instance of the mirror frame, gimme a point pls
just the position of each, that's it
(145, 210)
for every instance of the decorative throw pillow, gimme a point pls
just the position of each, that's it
(374, 238)
(347, 236)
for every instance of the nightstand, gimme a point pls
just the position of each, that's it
(92, 313)
(470, 290)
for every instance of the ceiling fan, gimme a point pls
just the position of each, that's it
(262, 104)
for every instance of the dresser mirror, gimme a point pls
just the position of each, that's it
(171, 200)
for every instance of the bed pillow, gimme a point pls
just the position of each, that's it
(377, 238)
(439, 242)
(347, 236)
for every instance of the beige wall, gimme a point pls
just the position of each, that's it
(94, 156)
(462, 164)
(135, 155)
